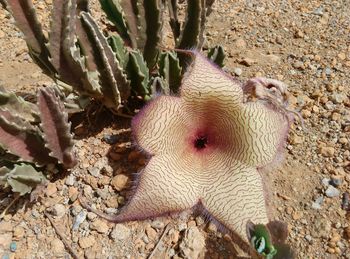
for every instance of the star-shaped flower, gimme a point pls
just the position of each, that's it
(206, 146)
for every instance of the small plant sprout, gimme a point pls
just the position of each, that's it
(206, 147)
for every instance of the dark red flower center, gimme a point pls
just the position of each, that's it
(200, 142)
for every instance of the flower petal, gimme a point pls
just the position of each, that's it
(159, 126)
(258, 132)
(164, 187)
(236, 196)
(205, 84)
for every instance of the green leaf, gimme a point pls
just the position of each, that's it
(115, 14)
(23, 178)
(117, 45)
(138, 74)
(217, 55)
(170, 70)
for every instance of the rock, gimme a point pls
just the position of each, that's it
(110, 139)
(70, 180)
(182, 226)
(80, 218)
(51, 189)
(120, 232)
(174, 235)
(18, 233)
(237, 71)
(94, 171)
(59, 210)
(119, 182)
(151, 233)
(157, 224)
(13, 247)
(336, 182)
(332, 192)
(193, 243)
(247, 62)
(73, 193)
(86, 242)
(325, 182)
(57, 247)
(308, 238)
(317, 203)
(327, 151)
(100, 226)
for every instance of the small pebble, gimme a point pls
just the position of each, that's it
(317, 203)
(345, 202)
(110, 139)
(59, 210)
(237, 71)
(13, 247)
(335, 182)
(332, 192)
(80, 218)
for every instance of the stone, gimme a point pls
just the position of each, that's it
(336, 182)
(73, 193)
(120, 232)
(157, 224)
(51, 189)
(317, 203)
(237, 71)
(119, 182)
(151, 233)
(192, 244)
(57, 247)
(86, 242)
(100, 226)
(94, 171)
(327, 151)
(18, 232)
(70, 180)
(59, 210)
(332, 192)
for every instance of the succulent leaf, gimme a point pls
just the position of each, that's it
(115, 14)
(27, 22)
(72, 52)
(117, 45)
(170, 70)
(16, 105)
(158, 85)
(22, 178)
(138, 74)
(174, 22)
(22, 139)
(54, 122)
(217, 55)
(115, 86)
(153, 17)
(189, 37)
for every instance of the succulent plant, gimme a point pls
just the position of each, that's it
(207, 147)
(111, 69)
(36, 134)
(269, 240)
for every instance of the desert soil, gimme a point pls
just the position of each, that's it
(305, 44)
